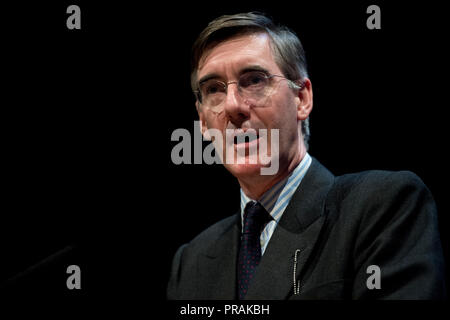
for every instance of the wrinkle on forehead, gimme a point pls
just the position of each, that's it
(244, 45)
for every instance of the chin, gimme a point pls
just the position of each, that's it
(244, 170)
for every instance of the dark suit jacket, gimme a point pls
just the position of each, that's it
(342, 225)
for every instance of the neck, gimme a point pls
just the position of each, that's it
(255, 186)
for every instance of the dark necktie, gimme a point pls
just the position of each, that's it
(255, 216)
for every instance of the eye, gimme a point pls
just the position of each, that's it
(212, 87)
(253, 80)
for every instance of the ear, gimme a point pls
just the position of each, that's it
(304, 100)
(202, 118)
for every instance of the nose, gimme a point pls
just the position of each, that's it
(235, 107)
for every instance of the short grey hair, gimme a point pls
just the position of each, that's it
(287, 48)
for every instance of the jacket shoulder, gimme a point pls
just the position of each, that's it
(375, 194)
(378, 183)
(389, 219)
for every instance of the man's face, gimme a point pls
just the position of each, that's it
(282, 109)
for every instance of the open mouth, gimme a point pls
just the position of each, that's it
(245, 137)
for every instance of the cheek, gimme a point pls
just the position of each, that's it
(212, 121)
(285, 120)
(217, 122)
(282, 114)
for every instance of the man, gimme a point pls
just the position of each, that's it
(301, 233)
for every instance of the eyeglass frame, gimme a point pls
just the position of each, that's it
(269, 76)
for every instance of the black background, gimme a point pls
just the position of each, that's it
(88, 116)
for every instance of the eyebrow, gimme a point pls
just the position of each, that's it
(254, 68)
(208, 77)
(241, 72)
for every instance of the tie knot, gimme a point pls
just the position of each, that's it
(255, 217)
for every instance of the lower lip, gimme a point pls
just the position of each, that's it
(246, 145)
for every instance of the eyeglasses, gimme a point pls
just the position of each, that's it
(252, 86)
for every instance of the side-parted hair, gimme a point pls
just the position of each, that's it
(286, 46)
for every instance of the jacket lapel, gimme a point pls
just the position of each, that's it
(217, 266)
(298, 229)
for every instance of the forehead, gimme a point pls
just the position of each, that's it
(232, 55)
